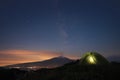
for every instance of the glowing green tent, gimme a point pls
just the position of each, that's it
(93, 58)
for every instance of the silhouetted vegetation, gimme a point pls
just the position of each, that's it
(70, 71)
(11, 74)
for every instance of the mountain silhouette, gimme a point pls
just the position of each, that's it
(50, 63)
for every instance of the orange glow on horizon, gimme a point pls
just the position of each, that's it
(8, 57)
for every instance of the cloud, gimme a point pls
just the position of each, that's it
(21, 56)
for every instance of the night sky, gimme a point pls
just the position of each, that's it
(34, 30)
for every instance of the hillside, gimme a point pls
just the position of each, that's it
(70, 71)
(74, 71)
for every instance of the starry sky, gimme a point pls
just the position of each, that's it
(34, 30)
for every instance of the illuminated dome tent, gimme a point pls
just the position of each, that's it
(93, 58)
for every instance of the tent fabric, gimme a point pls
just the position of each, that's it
(93, 58)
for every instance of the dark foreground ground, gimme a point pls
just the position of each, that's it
(71, 71)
